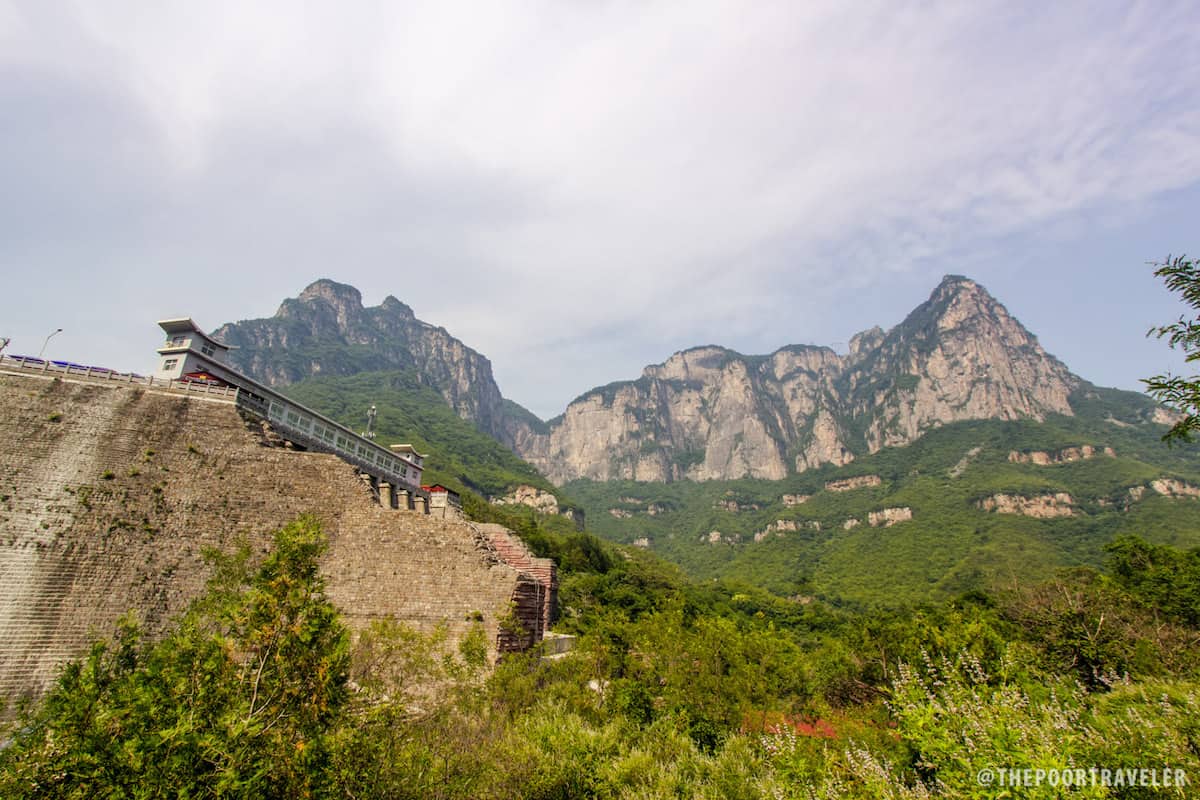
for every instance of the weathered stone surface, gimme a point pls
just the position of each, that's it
(1172, 487)
(851, 524)
(733, 506)
(857, 482)
(1064, 456)
(531, 496)
(1166, 416)
(110, 494)
(781, 526)
(541, 501)
(711, 413)
(887, 517)
(327, 331)
(1168, 487)
(1042, 506)
(790, 500)
(959, 468)
(716, 537)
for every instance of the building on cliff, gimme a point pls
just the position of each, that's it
(190, 356)
(189, 352)
(443, 501)
(112, 487)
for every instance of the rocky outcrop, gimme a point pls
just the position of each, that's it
(958, 356)
(1174, 488)
(849, 484)
(734, 506)
(1064, 456)
(716, 537)
(790, 500)
(543, 502)
(781, 526)
(1166, 416)
(1042, 506)
(1167, 487)
(711, 413)
(887, 517)
(537, 499)
(327, 331)
(959, 468)
(851, 524)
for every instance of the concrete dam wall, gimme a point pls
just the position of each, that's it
(109, 494)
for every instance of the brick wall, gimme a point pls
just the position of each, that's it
(109, 495)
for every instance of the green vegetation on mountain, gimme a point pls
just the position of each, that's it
(951, 544)
(460, 456)
(756, 649)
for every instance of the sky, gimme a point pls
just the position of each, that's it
(579, 189)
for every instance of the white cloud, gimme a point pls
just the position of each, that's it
(655, 174)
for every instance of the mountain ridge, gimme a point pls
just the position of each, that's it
(707, 412)
(326, 331)
(710, 412)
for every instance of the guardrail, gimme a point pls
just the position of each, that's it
(308, 428)
(101, 375)
(318, 432)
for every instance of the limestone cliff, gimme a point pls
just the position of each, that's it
(958, 356)
(327, 331)
(711, 413)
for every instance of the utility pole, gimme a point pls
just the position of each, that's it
(371, 414)
(48, 338)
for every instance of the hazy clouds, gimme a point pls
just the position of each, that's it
(576, 189)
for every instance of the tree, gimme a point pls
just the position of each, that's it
(1181, 275)
(236, 700)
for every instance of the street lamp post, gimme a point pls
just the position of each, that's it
(48, 338)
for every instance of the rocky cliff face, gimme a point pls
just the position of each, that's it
(959, 355)
(711, 413)
(327, 331)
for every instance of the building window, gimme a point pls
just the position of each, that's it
(176, 340)
(169, 364)
(206, 348)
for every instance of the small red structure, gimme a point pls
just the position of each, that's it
(443, 501)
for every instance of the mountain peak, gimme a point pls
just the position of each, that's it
(958, 301)
(702, 414)
(956, 280)
(330, 291)
(393, 305)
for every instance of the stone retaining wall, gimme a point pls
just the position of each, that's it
(109, 495)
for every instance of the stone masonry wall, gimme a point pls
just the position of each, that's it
(536, 618)
(109, 495)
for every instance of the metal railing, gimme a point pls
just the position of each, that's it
(303, 425)
(27, 365)
(320, 433)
